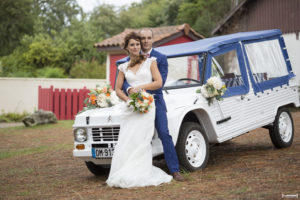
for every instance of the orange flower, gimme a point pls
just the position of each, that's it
(107, 94)
(150, 98)
(93, 99)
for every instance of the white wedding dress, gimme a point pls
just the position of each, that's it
(132, 160)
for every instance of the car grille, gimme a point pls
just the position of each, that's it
(104, 134)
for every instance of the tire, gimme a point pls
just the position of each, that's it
(282, 130)
(192, 147)
(97, 170)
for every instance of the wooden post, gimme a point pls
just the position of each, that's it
(69, 104)
(75, 103)
(63, 104)
(56, 103)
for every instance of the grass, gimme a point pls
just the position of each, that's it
(59, 124)
(37, 163)
(33, 150)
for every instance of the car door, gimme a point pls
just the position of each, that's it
(228, 114)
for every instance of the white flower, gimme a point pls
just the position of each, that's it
(137, 105)
(101, 100)
(204, 92)
(146, 94)
(215, 82)
(146, 101)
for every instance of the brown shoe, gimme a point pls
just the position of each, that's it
(177, 176)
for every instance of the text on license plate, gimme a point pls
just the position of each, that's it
(102, 152)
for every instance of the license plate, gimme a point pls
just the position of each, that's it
(102, 152)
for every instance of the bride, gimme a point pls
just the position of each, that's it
(132, 160)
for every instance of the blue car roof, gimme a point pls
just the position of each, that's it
(211, 44)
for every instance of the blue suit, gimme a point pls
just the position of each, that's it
(161, 121)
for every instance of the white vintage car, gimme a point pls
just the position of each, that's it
(260, 87)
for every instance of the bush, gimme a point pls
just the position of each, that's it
(51, 72)
(86, 69)
(12, 117)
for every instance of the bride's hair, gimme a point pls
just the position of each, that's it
(138, 59)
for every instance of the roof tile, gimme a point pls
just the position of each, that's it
(159, 33)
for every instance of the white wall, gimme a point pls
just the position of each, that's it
(21, 94)
(293, 48)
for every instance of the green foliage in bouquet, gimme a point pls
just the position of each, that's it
(141, 101)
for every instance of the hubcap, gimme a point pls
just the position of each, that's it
(285, 127)
(195, 148)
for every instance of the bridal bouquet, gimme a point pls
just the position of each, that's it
(141, 101)
(214, 88)
(101, 97)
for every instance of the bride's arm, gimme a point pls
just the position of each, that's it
(157, 81)
(119, 84)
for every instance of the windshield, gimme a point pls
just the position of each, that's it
(184, 71)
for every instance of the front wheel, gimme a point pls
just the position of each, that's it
(192, 147)
(282, 131)
(97, 170)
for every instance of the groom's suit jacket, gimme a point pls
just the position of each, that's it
(162, 65)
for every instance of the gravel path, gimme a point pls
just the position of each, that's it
(12, 124)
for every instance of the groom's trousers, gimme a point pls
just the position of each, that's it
(161, 125)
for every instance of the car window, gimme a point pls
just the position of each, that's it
(183, 71)
(266, 60)
(226, 66)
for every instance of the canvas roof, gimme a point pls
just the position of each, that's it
(212, 44)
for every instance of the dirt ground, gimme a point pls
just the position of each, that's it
(37, 163)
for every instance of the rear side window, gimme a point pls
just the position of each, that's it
(266, 60)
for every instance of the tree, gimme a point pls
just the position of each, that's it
(55, 15)
(105, 22)
(16, 20)
(203, 15)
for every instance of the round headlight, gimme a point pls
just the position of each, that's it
(80, 135)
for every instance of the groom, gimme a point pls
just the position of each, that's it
(161, 121)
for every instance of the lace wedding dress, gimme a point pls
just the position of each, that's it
(132, 161)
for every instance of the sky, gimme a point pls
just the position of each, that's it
(89, 5)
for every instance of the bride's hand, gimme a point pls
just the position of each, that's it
(128, 102)
(134, 90)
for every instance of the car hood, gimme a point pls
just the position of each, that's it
(99, 116)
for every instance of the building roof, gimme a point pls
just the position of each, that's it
(161, 35)
(259, 15)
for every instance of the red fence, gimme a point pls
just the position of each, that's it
(64, 103)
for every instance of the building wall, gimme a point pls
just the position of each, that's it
(179, 40)
(21, 94)
(292, 43)
(271, 14)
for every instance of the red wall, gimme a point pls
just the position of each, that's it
(179, 40)
(113, 67)
(114, 58)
